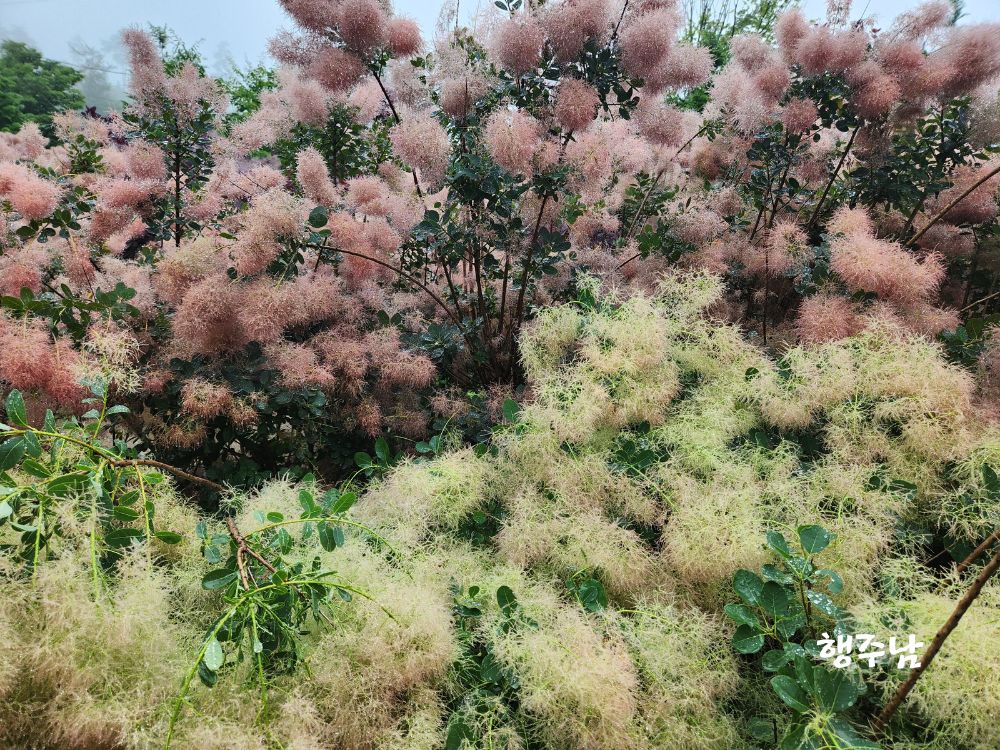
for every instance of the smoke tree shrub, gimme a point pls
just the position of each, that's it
(714, 276)
(660, 448)
(158, 214)
(459, 190)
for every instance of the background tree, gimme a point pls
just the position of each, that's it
(32, 88)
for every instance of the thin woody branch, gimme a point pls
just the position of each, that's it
(123, 462)
(950, 624)
(941, 214)
(243, 550)
(978, 551)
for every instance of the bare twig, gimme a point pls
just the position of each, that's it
(941, 214)
(649, 191)
(402, 274)
(243, 549)
(395, 116)
(979, 301)
(978, 551)
(952, 622)
(121, 462)
(614, 34)
(114, 460)
(659, 174)
(833, 178)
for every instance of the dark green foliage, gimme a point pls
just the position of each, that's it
(920, 162)
(348, 148)
(174, 52)
(486, 687)
(268, 601)
(784, 609)
(245, 87)
(381, 463)
(33, 88)
(184, 137)
(186, 143)
(291, 428)
(76, 202)
(67, 311)
(589, 591)
(965, 344)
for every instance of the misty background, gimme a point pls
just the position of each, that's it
(234, 33)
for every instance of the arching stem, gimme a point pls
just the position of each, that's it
(950, 624)
(941, 214)
(833, 178)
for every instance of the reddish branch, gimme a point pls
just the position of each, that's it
(941, 214)
(833, 178)
(242, 550)
(978, 551)
(122, 462)
(952, 622)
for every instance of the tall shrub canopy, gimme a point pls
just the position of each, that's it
(555, 384)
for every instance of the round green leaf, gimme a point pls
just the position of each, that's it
(773, 573)
(773, 599)
(218, 579)
(774, 660)
(344, 503)
(67, 483)
(14, 407)
(506, 600)
(307, 502)
(747, 640)
(591, 594)
(318, 217)
(824, 604)
(790, 692)
(326, 536)
(814, 539)
(31, 445)
(510, 409)
(847, 737)
(126, 515)
(741, 614)
(748, 585)
(11, 453)
(122, 537)
(206, 675)
(214, 657)
(836, 584)
(834, 690)
(776, 541)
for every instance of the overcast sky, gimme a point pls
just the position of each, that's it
(239, 29)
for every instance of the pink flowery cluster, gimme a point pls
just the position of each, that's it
(261, 268)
